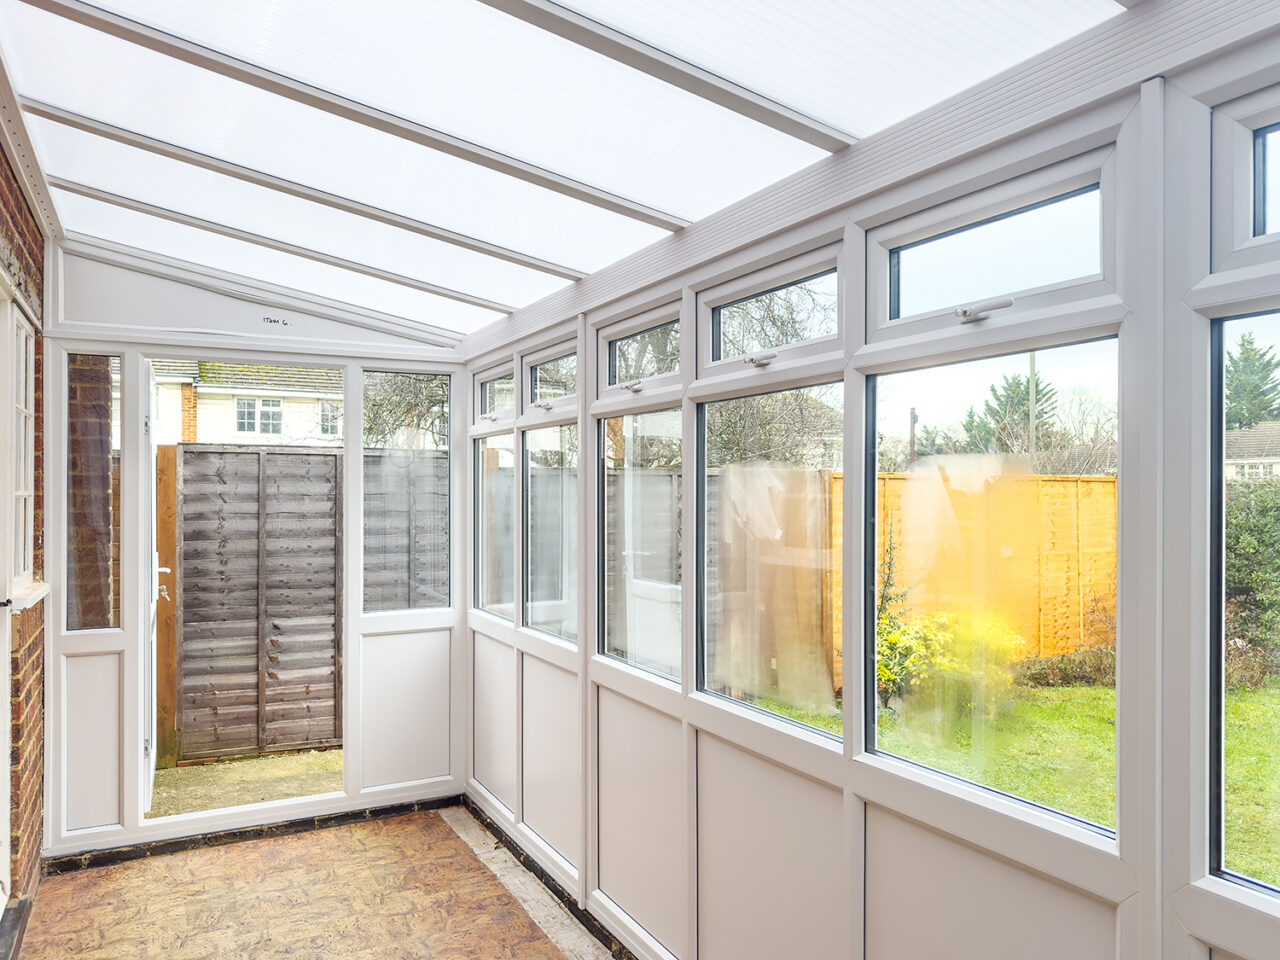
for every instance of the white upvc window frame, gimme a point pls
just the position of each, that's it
(18, 434)
(618, 330)
(277, 407)
(545, 412)
(253, 420)
(1092, 167)
(755, 367)
(330, 418)
(488, 420)
(1235, 245)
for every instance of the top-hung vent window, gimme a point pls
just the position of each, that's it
(554, 379)
(1266, 180)
(497, 395)
(788, 314)
(649, 353)
(1054, 241)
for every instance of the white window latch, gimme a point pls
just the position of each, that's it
(980, 311)
(633, 385)
(760, 359)
(488, 416)
(543, 404)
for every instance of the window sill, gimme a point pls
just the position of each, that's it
(28, 596)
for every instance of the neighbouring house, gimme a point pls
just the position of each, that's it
(1253, 453)
(201, 401)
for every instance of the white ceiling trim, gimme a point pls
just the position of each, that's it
(159, 147)
(618, 46)
(192, 53)
(163, 213)
(253, 291)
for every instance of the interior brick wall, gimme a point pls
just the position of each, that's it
(22, 258)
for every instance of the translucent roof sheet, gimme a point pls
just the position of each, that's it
(197, 246)
(859, 65)
(130, 172)
(79, 69)
(476, 73)
(470, 71)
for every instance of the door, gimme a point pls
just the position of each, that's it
(260, 554)
(149, 658)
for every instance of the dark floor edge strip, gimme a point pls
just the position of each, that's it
(13, 924)
(567, 900)
(54, 866)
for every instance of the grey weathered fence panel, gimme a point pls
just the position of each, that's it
(260, 552)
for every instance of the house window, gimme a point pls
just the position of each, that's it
(497, 395)
(772, 489)
(790, 314)
(246, 416)
(554, 379)
(1266, 180)
(1245, 587)
(551, 530)
(270, 417)
(649, 353)
(330, 418)
(991, 574)
(1035, 246)
(22, 364)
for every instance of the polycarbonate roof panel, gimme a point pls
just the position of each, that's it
(859, 65)
(476, 73)
(79, 69)
(173, 185)
(108, 222)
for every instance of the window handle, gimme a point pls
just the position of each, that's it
(633, 385)
(543, 404)
(980, 311)
(488, 416)
(760, 359)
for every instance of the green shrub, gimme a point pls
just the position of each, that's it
(1083, 666)
(953, 660)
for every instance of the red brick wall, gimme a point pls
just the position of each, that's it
(188, 413)
(22, 258)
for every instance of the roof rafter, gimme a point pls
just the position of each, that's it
(625, 49)
(281, 246)
(337, 105)
(159, 147)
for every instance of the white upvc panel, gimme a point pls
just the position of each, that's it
(771, 874)
(480, 75)
(404, 727)
(130, 172)
(976, 905)
(156, 235)
(494, 723)
(552, 764)
(798, 55)
(79, 69)
(93, 687)
(642, 829)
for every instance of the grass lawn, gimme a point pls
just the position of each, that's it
(1056, 746)
(228, 783)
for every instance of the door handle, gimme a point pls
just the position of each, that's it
(164, 592)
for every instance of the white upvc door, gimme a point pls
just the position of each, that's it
(149, 667)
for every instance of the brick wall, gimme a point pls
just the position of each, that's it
(92, 557)
(188, 413)
(22, 259)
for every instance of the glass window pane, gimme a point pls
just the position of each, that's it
(93, 492)
(995, 573)
(270, 419)
(800, 311)
(1266, 180)
(773, 487)
(551, 530)
(555, 378)
(1248, 691)
(1050, 242)
(649, 353)
(246, 416)
(640, 539)
(495, 524)
(498, 395)
(406, 491)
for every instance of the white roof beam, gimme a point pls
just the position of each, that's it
(339, 106)
(159, 147)
(127, 203)
(638, 55)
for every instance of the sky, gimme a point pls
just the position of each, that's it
(942, 395)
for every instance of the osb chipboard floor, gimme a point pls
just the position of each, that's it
(405, 887)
